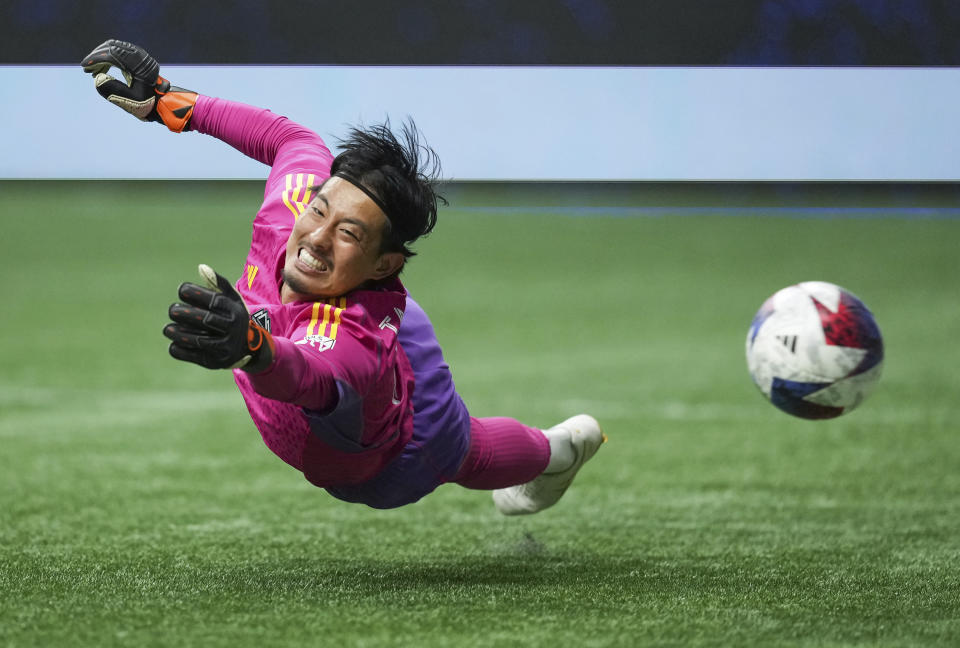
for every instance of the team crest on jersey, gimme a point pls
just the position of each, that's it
(318, 342)
(262, 319)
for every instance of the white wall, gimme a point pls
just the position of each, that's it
(524, 123)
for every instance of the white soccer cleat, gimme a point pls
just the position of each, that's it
(544, 491)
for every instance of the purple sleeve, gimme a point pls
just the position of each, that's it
(297, 377)
(274, 140)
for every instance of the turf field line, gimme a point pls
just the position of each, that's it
(24, 409)
(670, 411)
(66, 411)
(908, 213)
(48, 396)
(679, 410)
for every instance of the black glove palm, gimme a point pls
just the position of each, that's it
(213, 328)
(146, 95)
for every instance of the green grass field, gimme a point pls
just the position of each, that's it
(138, 506)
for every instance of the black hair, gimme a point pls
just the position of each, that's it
(401, 174)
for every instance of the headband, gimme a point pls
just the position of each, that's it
(352, 179)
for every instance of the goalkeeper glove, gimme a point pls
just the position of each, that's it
(214, 329)
(146, 95)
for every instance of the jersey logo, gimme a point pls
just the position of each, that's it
(386, 322)
(318, 342)
(262, 318)
(251, 274)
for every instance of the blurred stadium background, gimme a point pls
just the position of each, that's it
(138, 506)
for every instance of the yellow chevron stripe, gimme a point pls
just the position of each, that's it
(313, 318)
(286, 196)
(291, 195)
(251, 274)
(326, 319)
(307, 195)
(297, 188)
(336, 318)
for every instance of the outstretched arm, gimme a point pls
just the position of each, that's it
(212, 328)
(268, 138)
(146, 95)
(276, 141)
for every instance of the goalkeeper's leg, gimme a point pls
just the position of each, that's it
(527, 469)
(503, 452)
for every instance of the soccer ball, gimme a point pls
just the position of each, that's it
(814, 350)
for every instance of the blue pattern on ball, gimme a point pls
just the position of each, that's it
(789, 396)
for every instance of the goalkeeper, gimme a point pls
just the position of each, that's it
(340, 369)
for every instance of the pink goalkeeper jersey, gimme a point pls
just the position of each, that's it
(337, 401)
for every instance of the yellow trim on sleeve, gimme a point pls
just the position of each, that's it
(292, 194)
(336, 318)
(286, 196)
(313, 318)
(326, 319)
(297, 188)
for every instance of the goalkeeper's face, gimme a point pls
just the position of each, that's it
(334, 247)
